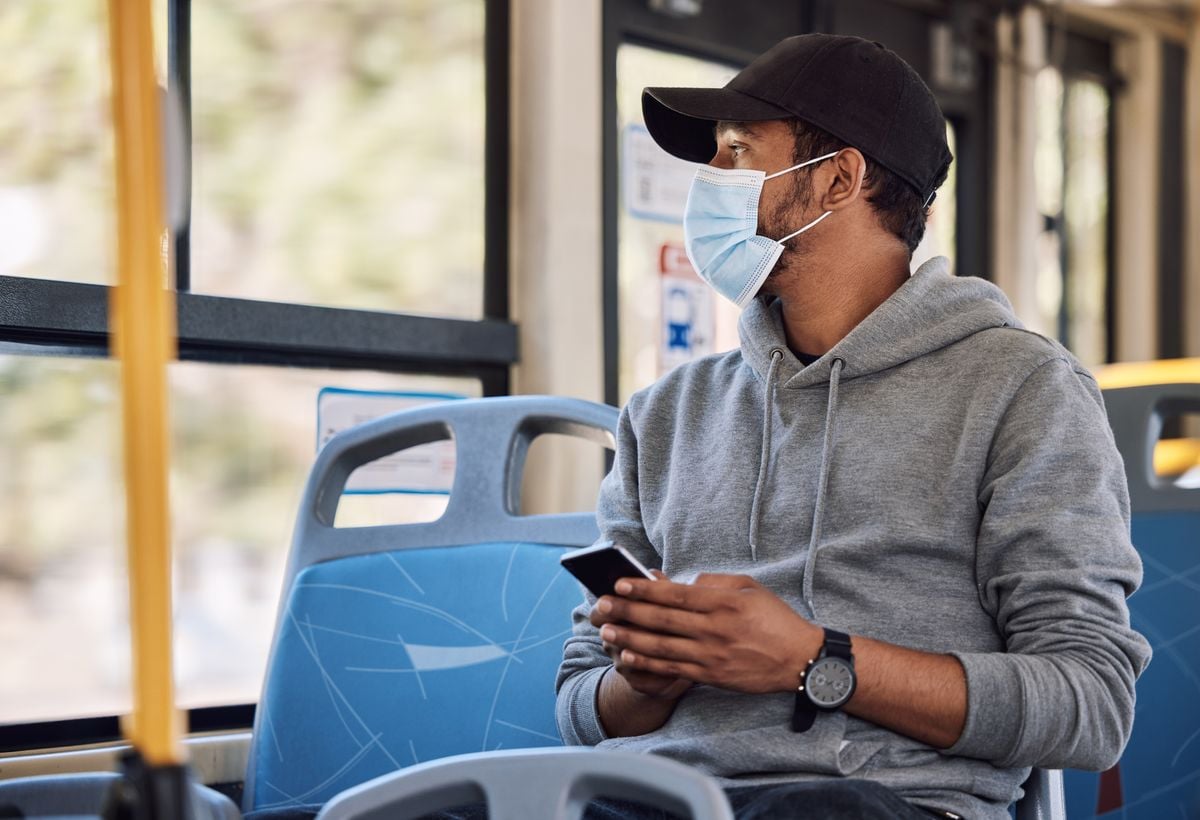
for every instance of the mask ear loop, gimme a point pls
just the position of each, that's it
(793, 168)
(932, 194)
(801, 165)
(805, 228)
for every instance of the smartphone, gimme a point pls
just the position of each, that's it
(599, 567)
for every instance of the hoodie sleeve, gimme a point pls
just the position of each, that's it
(619, 516)
(1054, 566)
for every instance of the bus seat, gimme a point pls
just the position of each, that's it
(548, 784)
(83, 796)
(1159, 774)
(400, 644)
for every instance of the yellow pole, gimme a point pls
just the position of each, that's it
(143, 337)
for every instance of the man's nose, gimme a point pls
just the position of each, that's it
(722, 159)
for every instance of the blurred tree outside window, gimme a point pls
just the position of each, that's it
(1073, 196)
(57, 190)
(244, 438)
(338, 152)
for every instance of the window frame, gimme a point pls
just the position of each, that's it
(43, 317)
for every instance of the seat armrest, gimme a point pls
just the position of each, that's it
(554, 784)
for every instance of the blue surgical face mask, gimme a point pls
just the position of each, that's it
(720, 230)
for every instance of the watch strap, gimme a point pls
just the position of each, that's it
(837, 645)
(804, 713)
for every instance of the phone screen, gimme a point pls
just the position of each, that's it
(599, 567)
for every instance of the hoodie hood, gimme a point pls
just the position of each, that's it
(930, 311)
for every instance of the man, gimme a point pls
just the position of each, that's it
(894, 523)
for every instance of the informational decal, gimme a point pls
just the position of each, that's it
(654, 183)
(425, 469)
(688, 309)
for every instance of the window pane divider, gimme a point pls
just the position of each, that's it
(69, 313)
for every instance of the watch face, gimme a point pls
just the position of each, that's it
(829, 682)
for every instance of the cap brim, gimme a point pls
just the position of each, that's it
(681, 120)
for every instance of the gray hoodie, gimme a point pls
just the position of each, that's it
(941, 479)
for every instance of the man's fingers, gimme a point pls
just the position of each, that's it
(651, 644)
(676, 596)
(666, 668)
(653, 618)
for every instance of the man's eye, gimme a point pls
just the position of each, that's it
(736, 150)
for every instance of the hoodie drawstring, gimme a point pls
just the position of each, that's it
(756, 506)
(835, 374)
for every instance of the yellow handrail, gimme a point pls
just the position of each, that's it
(1175, 456)
(1140, 374)
(143, 337)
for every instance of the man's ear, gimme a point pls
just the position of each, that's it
(844, 180)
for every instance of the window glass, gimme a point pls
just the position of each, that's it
(667, 315)
(63, 603)
(56, 153)
(1048, 161)
(244, 439)
(1073, 197)
(338, 153)
(941, 229)
(1085, 225)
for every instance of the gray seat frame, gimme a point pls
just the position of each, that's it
(492, 438)
(1044, 798)
(547, 784)
(82, 795)
(1137, 415)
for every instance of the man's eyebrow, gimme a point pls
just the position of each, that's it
(745, 128)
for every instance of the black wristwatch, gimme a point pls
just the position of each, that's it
(827, 682)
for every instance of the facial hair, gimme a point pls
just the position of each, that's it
(783, 220)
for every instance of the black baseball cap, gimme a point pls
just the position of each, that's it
(859, 91)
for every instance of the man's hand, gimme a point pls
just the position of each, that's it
(724, 630)
(730, 631)
(634, 702)
(665, 687)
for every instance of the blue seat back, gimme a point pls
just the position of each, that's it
(1159, 774)
(401, 644)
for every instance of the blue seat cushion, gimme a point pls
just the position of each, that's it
(390, 659)
(1159, 774)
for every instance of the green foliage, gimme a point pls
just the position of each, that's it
(338, 160)
(339, 152)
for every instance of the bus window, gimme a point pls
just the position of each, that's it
(666, 315)
(339, 153)
(56, 168)
(1072, 192)
(941, 235)
(244, 439)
